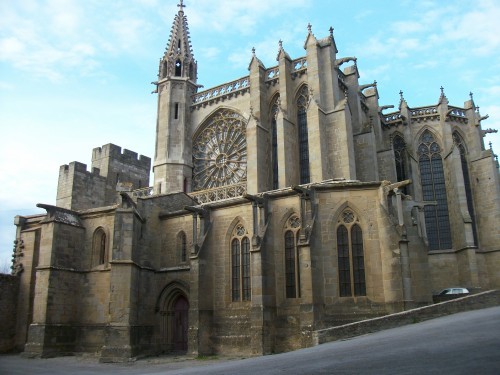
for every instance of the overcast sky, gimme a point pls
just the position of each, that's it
(75, 74)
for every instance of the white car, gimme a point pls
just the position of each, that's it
(448, 291)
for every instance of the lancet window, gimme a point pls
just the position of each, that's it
(437, 222)
(459, 142)
(182, 246)
(399, 147)
(350, 253)
(274, 144)
(302, 101)
(220, 151)
(241, 288)
(292, 271)
(178, 68)
(99, 247)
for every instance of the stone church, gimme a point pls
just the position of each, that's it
(283, 202)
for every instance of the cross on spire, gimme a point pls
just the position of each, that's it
(181, 6)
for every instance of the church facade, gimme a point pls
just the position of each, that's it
(283, 202)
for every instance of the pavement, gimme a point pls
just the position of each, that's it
(462, 343)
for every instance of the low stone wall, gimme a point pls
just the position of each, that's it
(471, 302)
(9, 287)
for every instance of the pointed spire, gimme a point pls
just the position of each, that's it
(282, 52)
(178, 60)
(255, 58)
(310, 39)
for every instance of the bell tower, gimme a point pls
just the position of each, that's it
(176, 84)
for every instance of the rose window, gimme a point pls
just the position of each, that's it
(220, 152)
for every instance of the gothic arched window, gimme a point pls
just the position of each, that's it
(350, 255)
(302, 101)
(220, 151)
(399, 147)
(182, 246)
(241, 287)
(99, 248)
(437, 222)
(459, 142)
(274, 143)
(292, 274)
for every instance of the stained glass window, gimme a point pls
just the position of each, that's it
(437, 222)
(292, 271)
(399, 147)
(220, 152)
(350, 255)
(240, 265)
(274, 144)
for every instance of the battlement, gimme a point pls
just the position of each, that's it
(111, 170)
(77, 167)
(127, 157)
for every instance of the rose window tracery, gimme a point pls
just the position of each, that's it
(220, 152)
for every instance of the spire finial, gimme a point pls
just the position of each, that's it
(253, 51)
(442, 90)
(331, 31)
(280, 43)
(181, 6)
(309, 27)
(471, 96)
(401, 95)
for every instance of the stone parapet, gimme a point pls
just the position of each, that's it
(473, 302)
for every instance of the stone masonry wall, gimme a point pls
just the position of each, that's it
(9, 286)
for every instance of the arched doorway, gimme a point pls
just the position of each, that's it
(173, 309)
(180, 324)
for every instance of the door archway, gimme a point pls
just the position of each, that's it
(180, 324)
(173, 309)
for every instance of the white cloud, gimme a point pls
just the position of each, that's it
(209, 53)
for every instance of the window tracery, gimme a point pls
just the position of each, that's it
(350, 255)
(437, 222)
(399, 146)
(241, 289)
(292, 271)
(220, 152)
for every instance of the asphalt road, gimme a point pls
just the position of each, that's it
(465, 343)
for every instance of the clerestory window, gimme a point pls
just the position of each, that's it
(182, 246)
(302, 101)
(399, 147)
(274, 143)
(437, 221)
